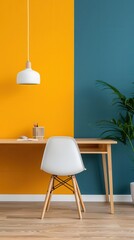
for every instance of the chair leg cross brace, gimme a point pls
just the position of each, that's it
(63, 182)
(75, 189)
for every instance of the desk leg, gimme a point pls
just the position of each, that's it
(109, 159)
(105, 176)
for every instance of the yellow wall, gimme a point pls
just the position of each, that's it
(50, 103)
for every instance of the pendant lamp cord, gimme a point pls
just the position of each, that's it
(28, 30)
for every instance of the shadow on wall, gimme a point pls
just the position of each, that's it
(8, 87)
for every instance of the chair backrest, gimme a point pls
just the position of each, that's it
(62, 157)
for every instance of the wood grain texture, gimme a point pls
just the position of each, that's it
(44, 141)
(22, 221)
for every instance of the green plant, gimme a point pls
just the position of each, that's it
(120, 128)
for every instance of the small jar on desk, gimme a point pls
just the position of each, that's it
(38, 132)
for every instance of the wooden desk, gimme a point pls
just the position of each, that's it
(87, 146)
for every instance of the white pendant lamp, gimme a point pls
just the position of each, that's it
(28, 76)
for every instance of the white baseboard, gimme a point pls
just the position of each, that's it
(58, 197)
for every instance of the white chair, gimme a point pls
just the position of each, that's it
(62, 158)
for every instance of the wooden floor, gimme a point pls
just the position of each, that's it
(22, 221)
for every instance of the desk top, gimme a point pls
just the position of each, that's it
(44, 141)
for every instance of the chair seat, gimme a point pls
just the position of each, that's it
(65, 172)
(62, 157)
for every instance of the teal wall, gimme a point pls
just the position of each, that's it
(104, 49)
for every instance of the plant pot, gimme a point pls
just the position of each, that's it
(132, 190)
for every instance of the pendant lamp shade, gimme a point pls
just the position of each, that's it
(28, 76)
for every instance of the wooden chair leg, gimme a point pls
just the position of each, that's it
(49, 200)
(76, 197)
(50, 196)
(80, 197)
(47, 197)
